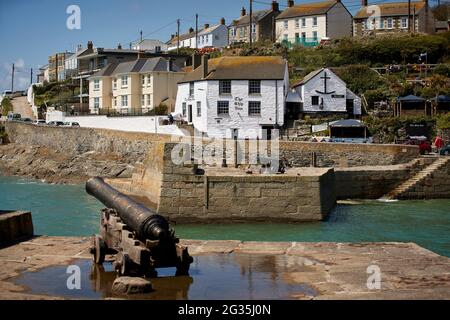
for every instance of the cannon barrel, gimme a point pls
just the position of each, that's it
(143, 221)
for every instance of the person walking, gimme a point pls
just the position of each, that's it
(439, 143)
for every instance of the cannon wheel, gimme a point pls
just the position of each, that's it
(123, 264)
(99, 251)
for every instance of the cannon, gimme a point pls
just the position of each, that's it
(140, 239)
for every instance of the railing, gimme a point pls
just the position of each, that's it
(115, 113)
(304, 42)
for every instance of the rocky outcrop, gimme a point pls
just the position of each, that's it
(60, 167)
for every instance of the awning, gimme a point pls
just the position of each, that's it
(411, 98)
(349, 123)
(442, 99)
(293, 97)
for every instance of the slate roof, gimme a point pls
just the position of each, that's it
(245, 20)
(308, 77)
(307, 9)
(392, 9)
(352, 123)
(241, 68)
(411, 98)
(137, 66)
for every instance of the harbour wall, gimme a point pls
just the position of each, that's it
(182, 194)
(136, 144)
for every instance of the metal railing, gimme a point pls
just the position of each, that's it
(303, 42)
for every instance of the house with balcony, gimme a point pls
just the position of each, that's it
(234, 97)
(262, 25)
(307, 24)
(134, 87)
(385, 18)
(56, 66)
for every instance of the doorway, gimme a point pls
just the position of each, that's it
(190, 113)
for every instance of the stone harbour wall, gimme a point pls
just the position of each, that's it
(189, 197)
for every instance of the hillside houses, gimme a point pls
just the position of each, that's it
(393, 17)
(307, 24)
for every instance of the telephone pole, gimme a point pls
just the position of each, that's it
(196, 31)
(178, 36)
(31, 78)
(409, 16)
(251, 23)
(141, 36)
(12, 78)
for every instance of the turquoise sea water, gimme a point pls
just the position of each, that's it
(66, 210)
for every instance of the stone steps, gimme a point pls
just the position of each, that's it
(427, 172)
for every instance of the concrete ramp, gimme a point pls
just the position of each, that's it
(21, 106)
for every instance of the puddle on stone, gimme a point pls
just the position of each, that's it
(212, 277)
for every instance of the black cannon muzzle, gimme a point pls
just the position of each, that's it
(146, 223)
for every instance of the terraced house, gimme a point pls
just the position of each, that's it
(382, 18)
(307, 24)
(234, 97)
(135, 87)
(262, 26)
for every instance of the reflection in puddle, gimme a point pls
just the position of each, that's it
(211, 277)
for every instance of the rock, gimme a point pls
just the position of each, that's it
(131, 285)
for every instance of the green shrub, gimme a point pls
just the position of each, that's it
(161, 110)
(6, 106)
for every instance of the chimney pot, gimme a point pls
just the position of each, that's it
(119, 46)
(290, 3)
(206, 25)
(222, 21)
(243, 12)
(364, 3)
(275, 6)
(191, 30)
(196, 61)
(205, 59)
(90, 45)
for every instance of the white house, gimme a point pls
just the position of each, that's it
(234, 96)
(150, 45)
(214, 37)
(209, 36)
(307, 24)
(322, 91)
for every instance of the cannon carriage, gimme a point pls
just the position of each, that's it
(140, 239)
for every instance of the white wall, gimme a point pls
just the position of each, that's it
(321, 28)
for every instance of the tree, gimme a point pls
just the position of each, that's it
(6, 106)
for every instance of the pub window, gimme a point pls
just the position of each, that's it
(184, 109)
(315, 100)
(254, 87)
(254, 108)
(199, 109)
(191, 89)
(223, 108)
(225, 87)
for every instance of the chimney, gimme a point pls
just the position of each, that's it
(79, 47)
(140, 54)
(364, 3)
(119, 46)
(206, 25)
(205, 59)
(243, 12)
(196, 61)
(172, 36)
(191, 30)
(222, 21)
(275, 6)
(90, 45)
(290, 3)
(169, 65)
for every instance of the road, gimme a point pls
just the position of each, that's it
(21, 106)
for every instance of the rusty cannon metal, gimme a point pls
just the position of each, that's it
(141, 239)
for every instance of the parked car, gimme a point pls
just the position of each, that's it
(424, 147)
(28, 120)
(445, 151)
(56, 123)
(14, 116)
(72, 124)
(39, 123)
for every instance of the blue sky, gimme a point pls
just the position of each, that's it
(31, 30)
